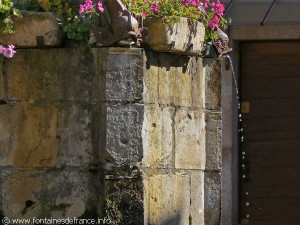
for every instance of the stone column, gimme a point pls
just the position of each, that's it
(182, 140)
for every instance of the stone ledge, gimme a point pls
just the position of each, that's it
(35, 29)
(184, 37)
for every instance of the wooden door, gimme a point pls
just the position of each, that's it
(270, 151)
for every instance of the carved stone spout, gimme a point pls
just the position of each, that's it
(222, 43)
(117, 25)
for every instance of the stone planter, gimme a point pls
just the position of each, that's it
(183, 37)
(35, 29)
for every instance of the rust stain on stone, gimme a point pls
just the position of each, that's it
(36, 137)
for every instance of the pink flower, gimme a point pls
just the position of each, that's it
(194, 2)
(214, 22)
(185, 3)
(154, 7)
(100, 7)
(81, 9)
(1, 49)
(205, 3)
(200, 7)
(7, 52)
(218, 8)
(144, 13)
(88, 6)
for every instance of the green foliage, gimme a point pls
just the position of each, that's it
(56, 6)
(76, 29)
(7, 12)
(112, 211)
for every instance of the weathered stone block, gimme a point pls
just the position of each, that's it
(124, 203)
(167, 199)
(184, 37)
(35, 29)
(19, 189)
(189, 139)
(175, 80)
(71, 193)
(76, 127)
(158, 136)
(212, 198)
(124, 74)
(10, 118)
(166, 80)
(151, 78)
(123, 134)
(197, 73)
(182, 82)
(76, 75)
(197, 198)
(28, 135)
(212, 74)
(52, 75)
(213, 141)
(57, 194)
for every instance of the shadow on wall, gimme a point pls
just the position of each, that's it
(172, 220)
(166, 60)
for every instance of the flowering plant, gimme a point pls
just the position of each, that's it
(7, 12)
(78, 21)
(77, 27)
(207, 11)
(89, 8)
(210, 12)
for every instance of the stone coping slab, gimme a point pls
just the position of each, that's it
(35, 29)
(183, 37)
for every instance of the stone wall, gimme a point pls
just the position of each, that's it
(127, 134)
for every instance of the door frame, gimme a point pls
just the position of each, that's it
(230, 134)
